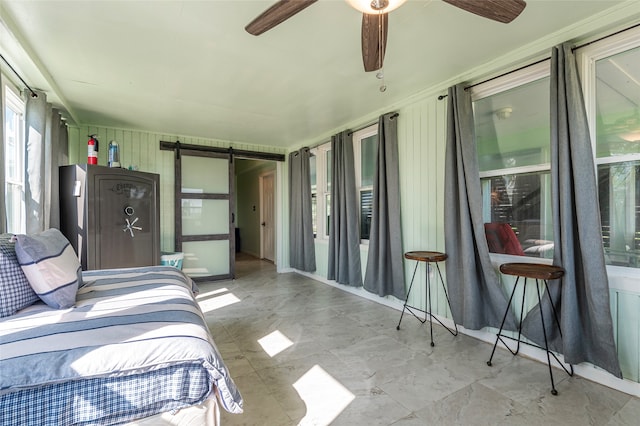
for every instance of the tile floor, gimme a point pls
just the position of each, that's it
(304, 353)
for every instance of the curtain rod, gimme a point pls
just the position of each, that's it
(573, 49)
(33, 94)
(350, 132)
(441, 97)
(580, 46)
(394, 115)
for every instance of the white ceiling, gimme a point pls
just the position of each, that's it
(188, 68)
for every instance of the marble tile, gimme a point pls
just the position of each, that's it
(474, 404)
(521, 379)
(590, 403)
(629, 414)
(281, 380)
(260, 407)
(377, 409)
(347, 364)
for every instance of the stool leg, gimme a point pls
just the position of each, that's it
(524, 294)
(555, 316)
(406, 300)
(448, 301)
(502, 324)
(428, 283)
(546, 344)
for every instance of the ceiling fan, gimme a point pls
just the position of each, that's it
(375, 20)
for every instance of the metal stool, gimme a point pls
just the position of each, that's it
(427, 257)
(538, 272)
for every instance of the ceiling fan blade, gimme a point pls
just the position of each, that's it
(374, 40)
(276, 14)
(499, 10)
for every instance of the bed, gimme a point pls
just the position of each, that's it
(135, 349)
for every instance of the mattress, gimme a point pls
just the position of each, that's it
(136, 344)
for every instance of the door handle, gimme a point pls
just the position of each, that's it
(264, 223)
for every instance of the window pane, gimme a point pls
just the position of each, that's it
(617, 101)
(313, 173)
(523, 201)
(205, 175)
(13, 145)
(327, 204)
(368, 148)
(512, 127)
(201, 217)
(12, 153)
(328, 169)
(366, 204)
(619, 193)
(314, 213)
(205, 258)
(15, 209)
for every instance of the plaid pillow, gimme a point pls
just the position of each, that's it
(51, 266)
(15, 291)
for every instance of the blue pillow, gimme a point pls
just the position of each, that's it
(15, 291)
(51, 266)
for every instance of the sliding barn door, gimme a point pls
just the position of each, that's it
(205, 229)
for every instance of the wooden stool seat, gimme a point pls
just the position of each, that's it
(426, 256)
(537, 271)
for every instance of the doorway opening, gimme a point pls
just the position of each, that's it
(256, 209)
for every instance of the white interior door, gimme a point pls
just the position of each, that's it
(268, 217)
(204, 219)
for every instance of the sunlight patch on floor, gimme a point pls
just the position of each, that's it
(274, 343)
(217, 302)
(323, 395)
(212, 293)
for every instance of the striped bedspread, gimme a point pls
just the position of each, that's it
(135, 344)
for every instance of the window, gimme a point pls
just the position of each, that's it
(365, 144)
(14, 160)
(512, 128)
(512, 132)
(321, 189)
(615, 116)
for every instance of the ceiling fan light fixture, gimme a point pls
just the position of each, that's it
(372, 7)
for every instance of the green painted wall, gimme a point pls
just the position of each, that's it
(142, 150)
(248, 202)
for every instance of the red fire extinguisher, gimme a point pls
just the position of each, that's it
(92, 146)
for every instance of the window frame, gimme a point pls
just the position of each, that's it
(532, 73)
(13, 101)
(358, 137)
(323, 190)
(587, 57)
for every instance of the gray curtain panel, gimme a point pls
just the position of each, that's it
(56, 155)
(385, 272)
(35, 126)
(344, 233)
(302, 253)
(46, 149)
(477, 299)
(583, 297)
